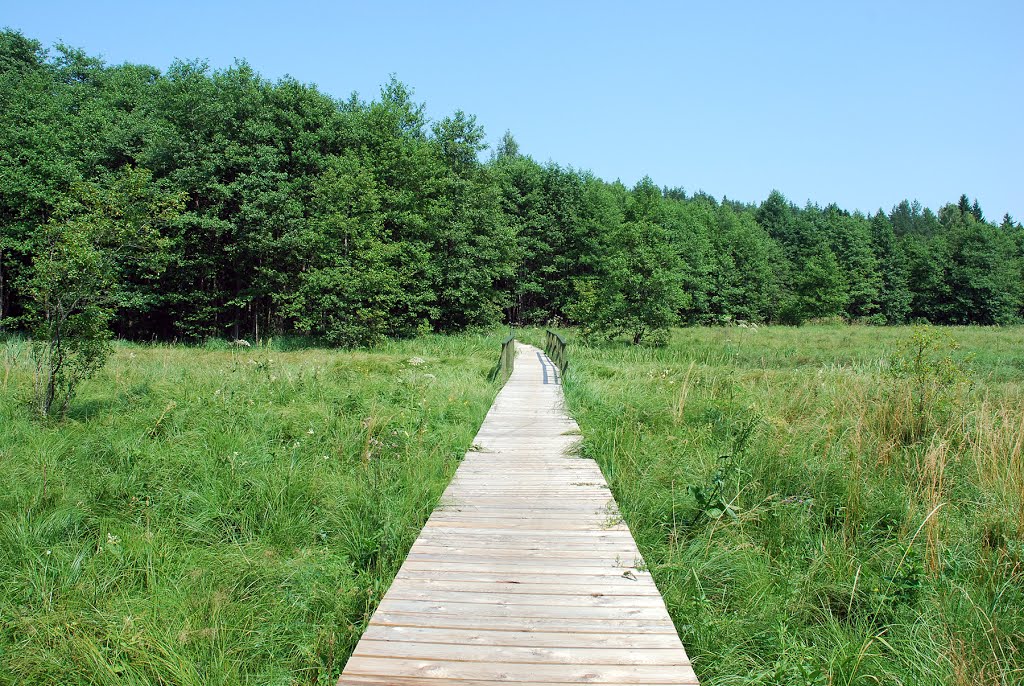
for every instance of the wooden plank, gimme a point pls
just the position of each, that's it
(529, 553)
(538, 611)
(554, 526)
(553, 598)
(614, 625)
(552, 587)
(543, 503)
(539, 567)
(525, 573)
(555, 552)
(519, 553)
(413, 681)
(525, 655)
(522, 639)
(609, 552)
(595, 535)
(616, 577)
(541, 558)
(551, 503)
(586, 519)
(519, 673)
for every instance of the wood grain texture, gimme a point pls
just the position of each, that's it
(525, 573)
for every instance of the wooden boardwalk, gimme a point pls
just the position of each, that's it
(524, 573)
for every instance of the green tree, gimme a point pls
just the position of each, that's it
(508, 147)
(42, 146)
(894, 296)
(78, 259)
(523, 203)
(927, 258)
(743, 281)
(982, 272)
(976, 211)
(851, 243)
(818, 289)
(350, 290)
(637, 289)
(689, 225)
(776, 216)
(473, 247)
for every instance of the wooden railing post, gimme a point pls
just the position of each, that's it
(507, 360)
(554, 348)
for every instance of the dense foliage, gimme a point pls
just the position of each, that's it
(354, 220)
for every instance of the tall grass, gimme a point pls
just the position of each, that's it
(222, 516)
(877, 530)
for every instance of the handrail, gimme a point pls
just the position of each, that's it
(554, 348)
(507, 360)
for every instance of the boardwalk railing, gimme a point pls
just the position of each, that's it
(554, 348)
(507, 360)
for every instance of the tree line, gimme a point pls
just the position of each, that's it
(197, 202)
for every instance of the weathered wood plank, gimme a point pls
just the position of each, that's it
(613, 577)
(551, 587)
(531, 567)
(549, 600)
(530, 655)
(615, 625)
(434, 670)
(530, 639)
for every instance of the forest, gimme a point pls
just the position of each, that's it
(197, 203)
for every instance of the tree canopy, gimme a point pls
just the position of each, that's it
(354, 220)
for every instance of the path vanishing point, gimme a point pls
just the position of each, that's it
(525, 573)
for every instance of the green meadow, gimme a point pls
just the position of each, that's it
(823, 505)
(219, 516)
(818, 505)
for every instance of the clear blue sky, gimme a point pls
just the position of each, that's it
(862, 103)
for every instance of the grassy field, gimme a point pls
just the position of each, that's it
(225, 516)
(823, 505)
